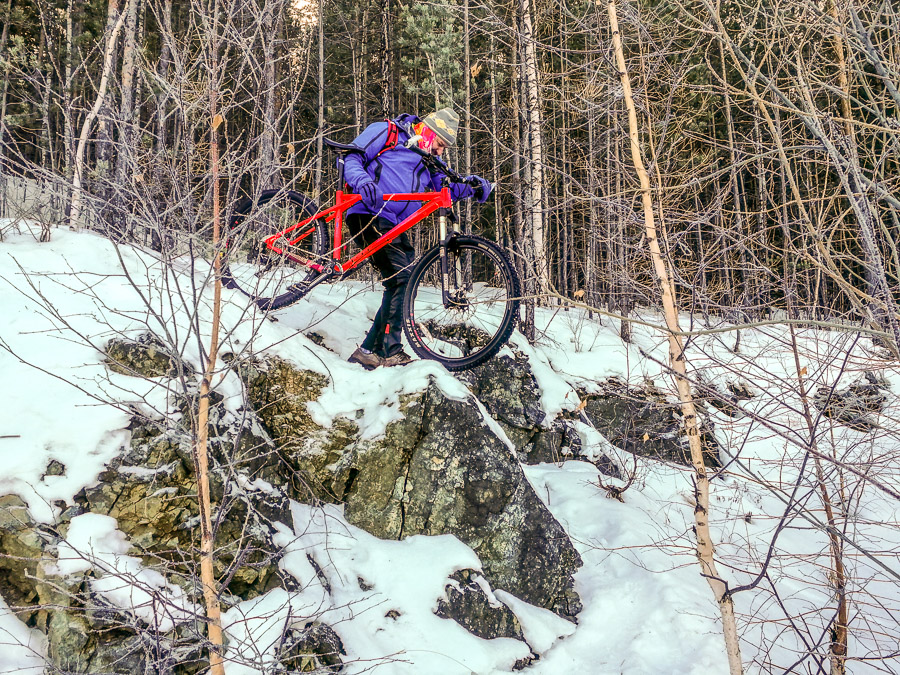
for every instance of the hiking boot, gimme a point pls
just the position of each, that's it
(368, 360)
(401, 358)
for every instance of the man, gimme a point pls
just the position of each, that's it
(378, 168)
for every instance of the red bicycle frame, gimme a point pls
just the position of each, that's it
(432, 201)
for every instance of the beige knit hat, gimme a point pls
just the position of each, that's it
(444, 123)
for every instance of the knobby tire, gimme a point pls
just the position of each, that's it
(482, 313)
(272, 281)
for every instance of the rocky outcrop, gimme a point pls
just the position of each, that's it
(151, 491)
(84, 633)
(854, 405)
(469, 604)
(644, 421)
(506, 387)
(22, 545)
(438, 470)
(147, 356)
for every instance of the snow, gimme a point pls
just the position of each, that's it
(646, 607)
(22, 648)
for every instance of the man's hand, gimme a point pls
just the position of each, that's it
(481, 186)
(372, 196)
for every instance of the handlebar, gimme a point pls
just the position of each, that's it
(435, 163)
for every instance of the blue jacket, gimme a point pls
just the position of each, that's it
(396, 170)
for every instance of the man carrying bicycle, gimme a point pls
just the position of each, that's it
(384, 164)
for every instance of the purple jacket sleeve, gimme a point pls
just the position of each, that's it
(370, 142)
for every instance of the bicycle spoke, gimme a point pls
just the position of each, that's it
(479, 310)
(261, 272)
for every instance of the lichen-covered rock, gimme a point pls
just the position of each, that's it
(506, 387)
(854, 405)
(442, 470)
(21, 550)
(308, 452)
(147, 356)
(438, 470)
(151, 492)
(643, 421)
(316, 648)
(469, 605)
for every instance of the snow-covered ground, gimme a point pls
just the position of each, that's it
(646, 607)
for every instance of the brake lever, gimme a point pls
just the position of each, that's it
(435, 162)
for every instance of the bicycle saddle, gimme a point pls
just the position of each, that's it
(343, 147)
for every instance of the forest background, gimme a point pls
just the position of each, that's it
(740, 157)
(769, 131)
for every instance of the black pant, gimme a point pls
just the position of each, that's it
(394, 261)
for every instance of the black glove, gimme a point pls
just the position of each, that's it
(482, 188)
(372, 196)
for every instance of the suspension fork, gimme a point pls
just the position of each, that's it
(446, 268)
(445, 277)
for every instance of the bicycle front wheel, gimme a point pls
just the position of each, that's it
(466, 323)
(273, 278)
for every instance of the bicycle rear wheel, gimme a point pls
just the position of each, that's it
(270, 278)
(479, 314)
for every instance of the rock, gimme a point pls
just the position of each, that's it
(54, 468)
(21, 550)
(643, 421)
(468, 604)
(853, 405)
(441, 470)
(438, 470)
(279, 394)
(507, 388)
(151, 491)
(82, 637)
(148, 356)
(316, 648)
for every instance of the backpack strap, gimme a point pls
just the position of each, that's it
(391, 141)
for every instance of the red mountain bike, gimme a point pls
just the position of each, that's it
(462, 299)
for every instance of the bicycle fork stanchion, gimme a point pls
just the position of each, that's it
(444, 238)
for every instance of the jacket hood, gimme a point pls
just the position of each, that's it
(406, 120)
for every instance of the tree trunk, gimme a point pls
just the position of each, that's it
(269, 169)
(125, 166)
(161, 149)
(495, 145)
(590, 268)
(385, 58)
(467, 65)
(201, 436)
(536, 155)
(114, 22)
(4, 93)
(678, 363)
(320, 134)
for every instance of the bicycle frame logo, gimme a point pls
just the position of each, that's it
(431, 202)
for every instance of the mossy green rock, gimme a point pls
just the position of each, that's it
(441, 470)
(438, 470)
(21, 550)
(310, 456)
(151, 492)
(147, 356)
